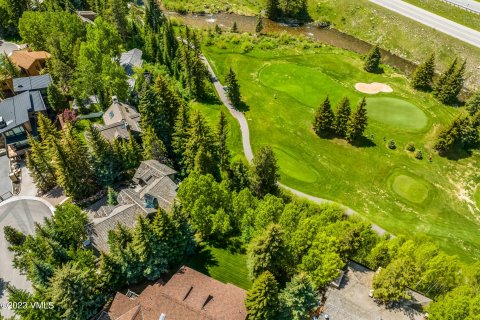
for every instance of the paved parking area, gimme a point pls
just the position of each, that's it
(20, 213)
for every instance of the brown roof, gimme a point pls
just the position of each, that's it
(119, 112)
(25, 59)
(189, 295)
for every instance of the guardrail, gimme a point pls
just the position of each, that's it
(464, 7)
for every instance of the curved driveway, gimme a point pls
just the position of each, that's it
(432, 20)
(247, 148)
(21, 213)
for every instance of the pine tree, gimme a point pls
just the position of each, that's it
(422, 78)
(473, 104)
(358, 122)
(298, 298)
(262, 299)
(264, 172)
(153, 147)
(341, 117)
(233, 88)
(47, 131)
(200, 139)
(273, 11)
(73, 169)
(372, 60)
(234, 27)
(181, 133)
(105, 165)
(13, 236)
(259, 25)
(153, 16)
(450, 83)
(269, 252)
(324, 121)
(222, 136)
(57, 100)
(40, 164)
(116, 13)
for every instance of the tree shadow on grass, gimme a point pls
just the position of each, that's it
(363, 142)
(203, 260)
(233, 245)
(457, 154)
(242, 107)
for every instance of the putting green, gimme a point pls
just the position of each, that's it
(289, 166)
(411, 189)
(306, 84)
(397, 113)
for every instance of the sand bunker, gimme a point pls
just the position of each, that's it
(373, 88)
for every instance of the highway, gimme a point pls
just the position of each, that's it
(469, 5)
(432, 20)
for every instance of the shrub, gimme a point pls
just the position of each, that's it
(410, 147)
(391, 144)
(246, 47)
(221, 44)
(419, 155)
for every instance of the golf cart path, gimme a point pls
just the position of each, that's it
(247, 148)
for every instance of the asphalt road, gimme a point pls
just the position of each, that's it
(21, 214)
(247, 147)
(466, 4)
(5, 183)
(432, 20)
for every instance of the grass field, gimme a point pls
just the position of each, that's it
(282, 87)
(222, 265)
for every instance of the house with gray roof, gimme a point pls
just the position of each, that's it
(120, 120)
(35, 83)
(153, 187)
(18, 119)
(130, 60)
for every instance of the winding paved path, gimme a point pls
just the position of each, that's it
(432, 20)
(247, 148)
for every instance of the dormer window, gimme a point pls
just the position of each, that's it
(111, 114)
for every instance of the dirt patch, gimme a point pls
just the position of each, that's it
(373, 88)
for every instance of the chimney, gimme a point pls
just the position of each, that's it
(114, 99)
(163, 316)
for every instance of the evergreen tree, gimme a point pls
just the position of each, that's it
(324, 121)
(372, 60)
(57, 100)
(205, 162)
(234, 27)
(218, 30)
(181, 133)
(233, 88)
(238, 175)
(40, 165)
(450, 83)
(264, 172)
(153, 147)
(259, 25)
(74, 291)
(153, 16)
(269, 252)
(112, 197)
(13, 236)
(341, 117)
(358, 122)
(47, 131)
(422, 78)
(262, 299)
(72, 166)
(298, 298)
(116, 13)
(8, 70)
(273, 11)
(104, 162)
(473, 104)
(200, 139)
(222, 136)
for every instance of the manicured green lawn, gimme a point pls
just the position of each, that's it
(283, 87)
(222, 265)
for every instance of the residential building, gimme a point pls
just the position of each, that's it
(34, 83)
(120, 120)
(153, 187)
(18, 118)
(188, 295)
(87, 17)
(130, 60)
(30, 62)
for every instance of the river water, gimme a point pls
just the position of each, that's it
(325, 35)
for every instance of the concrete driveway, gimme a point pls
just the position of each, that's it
(7, 47)
(5, 183)
(20, 213)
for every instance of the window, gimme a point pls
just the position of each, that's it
(111, 114)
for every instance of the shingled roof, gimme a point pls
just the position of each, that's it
(25, 59)
(188, 295)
